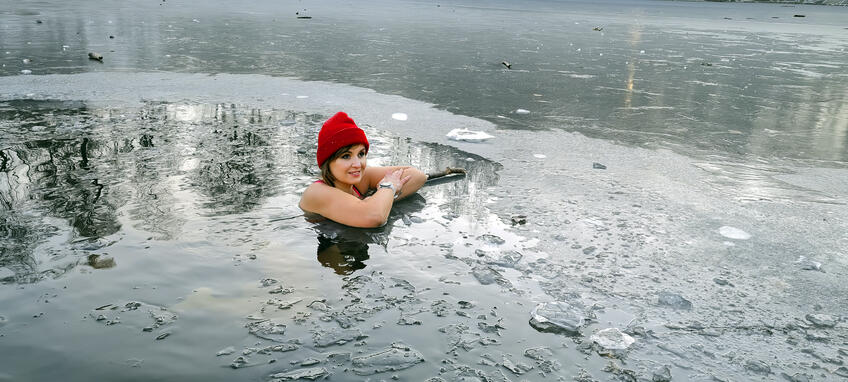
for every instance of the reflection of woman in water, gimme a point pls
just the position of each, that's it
(343, 256)
(340, 195)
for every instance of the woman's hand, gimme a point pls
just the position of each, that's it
(396, 179)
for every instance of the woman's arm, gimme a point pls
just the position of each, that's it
(416, 178)
(344, 208)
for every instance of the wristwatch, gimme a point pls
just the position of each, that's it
(391, 186)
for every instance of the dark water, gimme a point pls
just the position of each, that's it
(148, 217)
(742, 79)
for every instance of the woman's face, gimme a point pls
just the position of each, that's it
(348, 168)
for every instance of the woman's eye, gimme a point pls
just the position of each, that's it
(362, 154)
(346, 156)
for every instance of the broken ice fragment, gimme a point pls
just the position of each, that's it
(394, 358)
(312, 373)
(336, 337)
(466, 135)
(556, 317)
(268, 330)
(612, 339)
(733, 233)
(822, 320)
(674, 300)
(226, 351)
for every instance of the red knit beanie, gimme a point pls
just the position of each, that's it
(339, 131)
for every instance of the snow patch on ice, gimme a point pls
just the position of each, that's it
(733, 233)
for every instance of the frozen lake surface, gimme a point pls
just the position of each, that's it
(663, 195)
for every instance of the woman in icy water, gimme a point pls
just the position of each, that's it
(342, 194)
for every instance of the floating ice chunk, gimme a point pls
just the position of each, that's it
(226, 351)
(394, 358)
(312, 373)
(540, 156)
(522, 111)
(336, 337)
(399, 116)
(674, 300)
(267, 329)
(468, 135)
(26, 71)
(733, 233)
(808, 265)
(557, 317)
(612, 339)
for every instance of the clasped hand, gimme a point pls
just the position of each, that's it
(396, 178)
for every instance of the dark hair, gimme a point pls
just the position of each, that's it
(326, 175)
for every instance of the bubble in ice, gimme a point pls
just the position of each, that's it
(540, 156)
(466, 135)
(522, 111)
(399, 116)
(733, 233)
(302, 97)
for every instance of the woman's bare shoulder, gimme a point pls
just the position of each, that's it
(311, 194)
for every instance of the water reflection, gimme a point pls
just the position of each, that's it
(171, 170)
(343, 256)
(345, 249)
(82, 164)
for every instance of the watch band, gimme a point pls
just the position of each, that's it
(390, 186)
